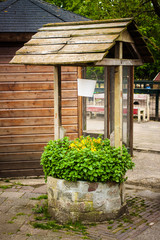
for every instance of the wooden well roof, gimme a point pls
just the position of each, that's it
(79, 43)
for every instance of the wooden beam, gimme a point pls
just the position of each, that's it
(119, 62)
(57, 101)
(118, 100)
(125, 37)
(14, 37)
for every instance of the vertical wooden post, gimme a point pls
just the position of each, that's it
(118, 100)
(157, 105)
(106, 102)
(131, 109)
(84, 110)
(57, 101)
(80, 107)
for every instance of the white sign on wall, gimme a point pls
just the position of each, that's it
(86, 87)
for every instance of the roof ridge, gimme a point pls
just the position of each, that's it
(49, 7)
(44, 5)
(5, 4)
(33, 16)
(90, 22)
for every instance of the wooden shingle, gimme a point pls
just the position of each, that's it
(79, 43)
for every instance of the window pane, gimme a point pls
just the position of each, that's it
(93, 110)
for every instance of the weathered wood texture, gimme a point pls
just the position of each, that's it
(80, 43)
(27, 113)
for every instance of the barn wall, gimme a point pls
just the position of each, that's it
(27, 113)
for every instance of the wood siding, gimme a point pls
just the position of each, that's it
(27, 113)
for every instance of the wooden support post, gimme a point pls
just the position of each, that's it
(157, 105)
(106, 104)
(84, 107)
(108, 100)
(131, 88)
(57, 101)
(80, 130)
(118, 101)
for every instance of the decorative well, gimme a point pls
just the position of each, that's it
(85, 179)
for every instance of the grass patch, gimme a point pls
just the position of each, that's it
(40, 218)
(28, 235)
(43, 221)
(5, 186)
(43, 210)
(127, 220)
(76, 227)
(120, 225)
(10, 222)
(111, 221)
(134, 214)
(6, 180)
(109, 227)
(20, 214)
(44, 196)
(18, 184)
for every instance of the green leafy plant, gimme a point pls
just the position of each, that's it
(85, 159)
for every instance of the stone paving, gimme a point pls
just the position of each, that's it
(18, 198)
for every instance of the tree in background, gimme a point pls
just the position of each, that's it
(145, 12)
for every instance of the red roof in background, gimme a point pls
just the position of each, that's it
(157, 78)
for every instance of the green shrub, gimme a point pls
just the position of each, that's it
(85, 159)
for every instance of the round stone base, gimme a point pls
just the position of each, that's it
(84, 201)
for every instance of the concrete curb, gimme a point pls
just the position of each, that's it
(146, 150)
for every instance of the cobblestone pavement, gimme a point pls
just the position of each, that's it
(22, 210)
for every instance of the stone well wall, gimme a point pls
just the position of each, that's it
(84, 201)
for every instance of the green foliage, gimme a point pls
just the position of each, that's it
(20, 214)
(6, 180)
(28, 235)
(5, 186)
(85, 159)
(76, 227)
(43, 221)
(40, 209)
(109, 227)
(96, 73)
(43, 196)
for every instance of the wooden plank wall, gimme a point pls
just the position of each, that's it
(27, 113)
(69, 102)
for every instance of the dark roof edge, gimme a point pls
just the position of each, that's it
(49, 8)
(132, 26)
(46, 6)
